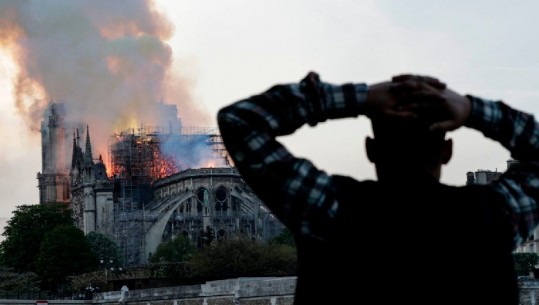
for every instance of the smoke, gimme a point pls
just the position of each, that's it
(107, 61)
(192, 151)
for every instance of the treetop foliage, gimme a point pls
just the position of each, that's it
(177, 250)
(64, 252)
(525, 263)
(244, 257)
(25, 232)
(104, 248)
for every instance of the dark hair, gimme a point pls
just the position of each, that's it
(407, 140)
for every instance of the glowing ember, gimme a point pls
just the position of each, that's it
(148, 154)
(139, 157)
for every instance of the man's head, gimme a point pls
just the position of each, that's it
(403, 145)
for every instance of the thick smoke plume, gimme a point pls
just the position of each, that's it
(107, 61)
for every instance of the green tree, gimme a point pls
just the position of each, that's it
(64, 252)
(227, 259)
(25, 232)
(13, 282)
(179, 249)
(104, 248)
(243, 257)
(279, 260)
(525, 262)
(284, 238)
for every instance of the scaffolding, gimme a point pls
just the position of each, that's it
(136, 155)
(140, 156)
(220, 156)
(129, 234)
(136, 161)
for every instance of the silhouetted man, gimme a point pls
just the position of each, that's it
(406, 238)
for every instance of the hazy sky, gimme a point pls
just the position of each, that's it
(227, 50)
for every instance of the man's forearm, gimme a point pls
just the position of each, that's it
(288, 185)
(515, 130)
(284, 108)
(519, 133)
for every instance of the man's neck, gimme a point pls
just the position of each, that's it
(401, 173)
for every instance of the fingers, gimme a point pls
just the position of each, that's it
(412, 80)
(421, 97)
(400, 114)
(448, 125)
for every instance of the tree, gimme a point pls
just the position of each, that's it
(170, 257)
(25, 232)
(279, 260)
(179, 249)
(104, 248)
(243, 257)
(284, 238)
(15, 283)
(64, 252)
(525, 262)
(227, 259)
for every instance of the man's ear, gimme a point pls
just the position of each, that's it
(447, 152)
(370, 147)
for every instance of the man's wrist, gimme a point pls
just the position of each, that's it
(362, 94)
(479, 116)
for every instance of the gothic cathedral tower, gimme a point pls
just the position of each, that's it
(53, 181)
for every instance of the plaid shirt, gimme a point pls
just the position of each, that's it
(303, 196)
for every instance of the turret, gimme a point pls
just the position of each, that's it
(88, 157)
(89, 215)
(74, 153)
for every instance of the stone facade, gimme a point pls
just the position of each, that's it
(147, 200)
(53, 180)
(190, 201)
(199, 203)
(91, 191)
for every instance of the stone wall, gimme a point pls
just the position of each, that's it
(242, 291)
(529, 291)
(245, 291)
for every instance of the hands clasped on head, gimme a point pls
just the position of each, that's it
(418, 97)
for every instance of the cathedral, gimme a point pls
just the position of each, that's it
(149, 189)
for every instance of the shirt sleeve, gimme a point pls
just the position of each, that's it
(519, 133)
(300, 194)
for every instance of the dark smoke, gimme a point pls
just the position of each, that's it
(107, 61)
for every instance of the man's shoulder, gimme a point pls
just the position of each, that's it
(350, 181)
(414, 187)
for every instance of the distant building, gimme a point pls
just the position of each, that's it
(161, 183)
(485, 177)
(482, 176)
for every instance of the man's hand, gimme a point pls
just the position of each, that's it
(386, 99)
(457, 108)
(428, 99)
(381, 102)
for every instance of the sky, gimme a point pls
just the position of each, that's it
(222, 51)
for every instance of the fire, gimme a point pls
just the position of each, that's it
(209, 164)
(138, 156)
(146, 154)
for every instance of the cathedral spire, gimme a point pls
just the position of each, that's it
(88, 158)
(74, 153)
